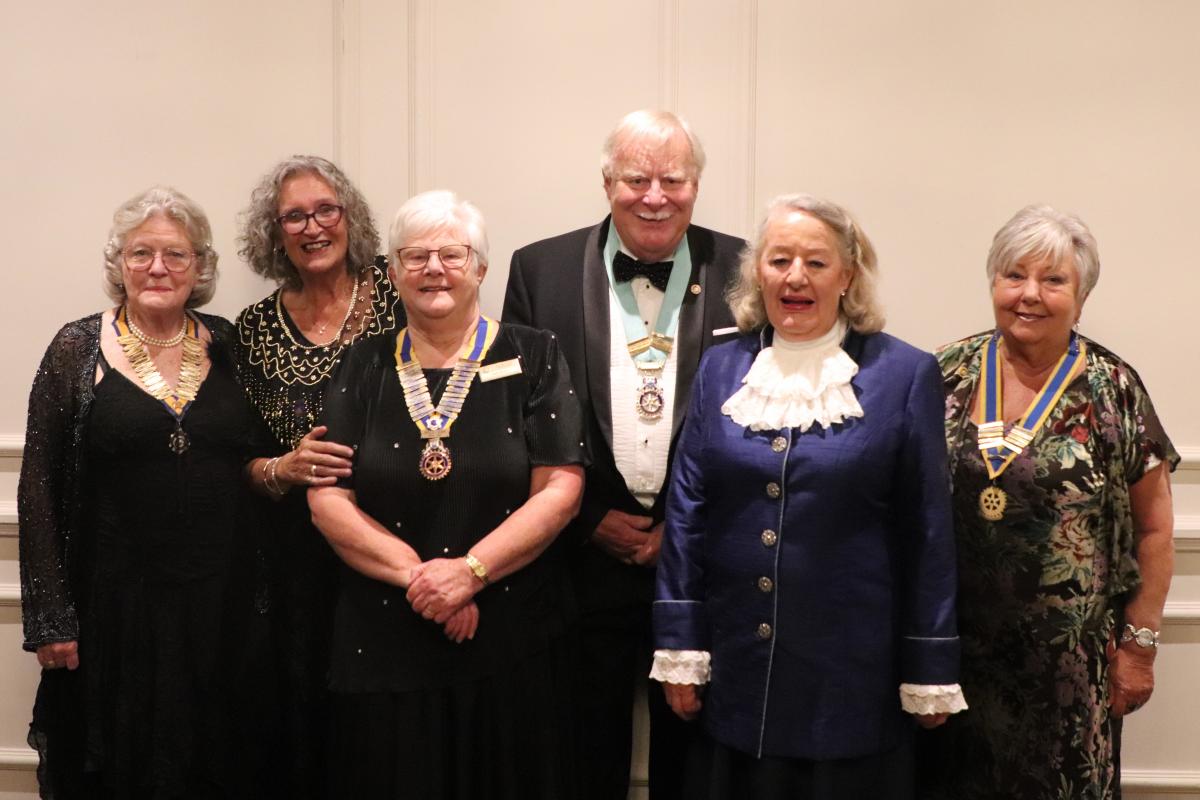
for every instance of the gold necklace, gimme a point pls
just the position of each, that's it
(287, 331)
(191, 367)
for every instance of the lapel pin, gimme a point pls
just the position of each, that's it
(695, 288)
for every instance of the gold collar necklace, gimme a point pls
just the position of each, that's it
(191, 367)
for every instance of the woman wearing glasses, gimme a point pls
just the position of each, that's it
(308, 229)
(469, 456)
(136, 442)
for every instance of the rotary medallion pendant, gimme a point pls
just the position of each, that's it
(992, 502)
(435, 461)
(179, 442)
(650, 398)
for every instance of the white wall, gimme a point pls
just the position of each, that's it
(934, 120)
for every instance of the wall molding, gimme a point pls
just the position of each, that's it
(749, 105)
(18, 758)
(1168, 780)
(422, 106)
(12, 445)
(668, 54)
(347, 98)
(1181, 612)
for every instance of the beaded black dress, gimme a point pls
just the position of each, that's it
(285, 376)
(135, 551)
(416, 715)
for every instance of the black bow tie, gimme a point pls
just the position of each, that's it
(626, 269)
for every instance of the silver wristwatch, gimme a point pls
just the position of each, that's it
(1144, 637)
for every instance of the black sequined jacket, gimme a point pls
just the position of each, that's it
(50, 495)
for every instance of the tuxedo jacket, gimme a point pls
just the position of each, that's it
(561, 284)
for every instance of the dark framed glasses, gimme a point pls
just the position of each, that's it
(326, 216)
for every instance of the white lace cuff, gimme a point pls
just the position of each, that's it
(681, 666)
(921, 699)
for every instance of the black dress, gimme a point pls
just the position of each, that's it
(285, 376)
(161, 586)
(415, 714)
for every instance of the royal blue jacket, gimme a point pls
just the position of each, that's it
(818, 568)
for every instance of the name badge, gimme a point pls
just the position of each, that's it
(724, 331)
(501, 369)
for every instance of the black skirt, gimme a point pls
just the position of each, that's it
(718, 772)
(506, 736)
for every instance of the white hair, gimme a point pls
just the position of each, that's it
(434, 210)
(860, 306)
(653, 126)
(1041, 232)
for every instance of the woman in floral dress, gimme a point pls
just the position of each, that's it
(1063, 515)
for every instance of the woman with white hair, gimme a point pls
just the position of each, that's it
(805, 597)
(1062, 507)
(468, 460)
(137, 439)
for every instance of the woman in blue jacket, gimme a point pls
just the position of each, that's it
(806, 587)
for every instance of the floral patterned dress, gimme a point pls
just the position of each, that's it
(1042, 589)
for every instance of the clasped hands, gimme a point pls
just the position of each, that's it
(442, 590)
(629, 538)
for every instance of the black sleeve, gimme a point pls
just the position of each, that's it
(554, 432)
(348, 395)
(48, 474)
(517, 306)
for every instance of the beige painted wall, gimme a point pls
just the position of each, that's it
(934, 120)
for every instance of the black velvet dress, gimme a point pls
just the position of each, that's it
(416, 715)
(162, 588)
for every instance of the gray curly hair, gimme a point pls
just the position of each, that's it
(860, 306)
(260, 243)
(176, 206)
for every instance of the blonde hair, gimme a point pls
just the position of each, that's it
(860, 305)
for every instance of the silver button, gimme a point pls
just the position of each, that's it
(779, 444)
(764, 631)
(765, 584)
(769, 538)
(773, 490)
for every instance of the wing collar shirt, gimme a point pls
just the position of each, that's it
(640, 445)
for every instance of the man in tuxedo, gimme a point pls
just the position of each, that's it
(633, 301)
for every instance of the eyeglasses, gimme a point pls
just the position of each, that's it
(327, 215)
(452, 256)
(173, 258)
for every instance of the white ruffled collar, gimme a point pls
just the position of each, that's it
(796, 384)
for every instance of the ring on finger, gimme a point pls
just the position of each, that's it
(313, 470)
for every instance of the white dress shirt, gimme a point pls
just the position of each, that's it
(640, 445)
